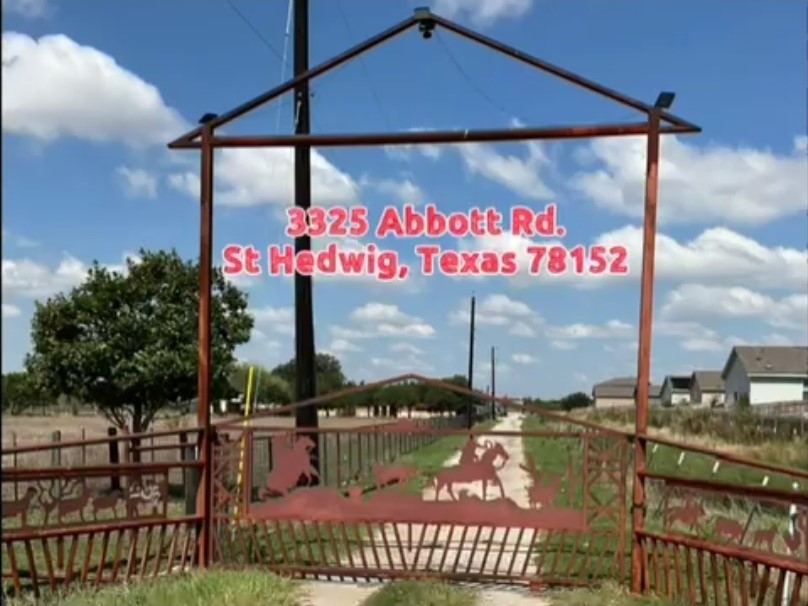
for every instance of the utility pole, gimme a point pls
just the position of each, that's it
(470, 404)
(493, 383)
(305, 355)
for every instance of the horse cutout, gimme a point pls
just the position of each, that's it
(290, 463)
(475, 470)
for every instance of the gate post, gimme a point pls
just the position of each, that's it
(204, 508)
(644, 350)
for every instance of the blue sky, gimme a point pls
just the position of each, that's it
(88, 106)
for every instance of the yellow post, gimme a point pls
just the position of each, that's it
(247, 412)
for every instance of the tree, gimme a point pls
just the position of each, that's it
(269, 388)
(330, 377)
(22, 390)
(127, 342)
(576, 400)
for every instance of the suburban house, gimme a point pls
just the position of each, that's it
(614, 392)
(675, 390)
(707, 387)
(620, 392)
(766, 375)
(655, 395)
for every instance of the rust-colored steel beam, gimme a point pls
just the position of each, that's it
(439, 136)
(47, 446)
(725, 456)
(28, 534)
(562, 73)
(204, 377)
(644, 351)
(759, 493)
(463, 391)
(289, 85)
(17, 474)
(727, 551)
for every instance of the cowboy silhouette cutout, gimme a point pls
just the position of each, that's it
(469, 452)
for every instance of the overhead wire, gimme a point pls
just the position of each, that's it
(254, 30)
(373, 90)
(286, 37)
(470, 81)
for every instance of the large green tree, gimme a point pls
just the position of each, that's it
(126, 342)
(269, 388)
(330, 377)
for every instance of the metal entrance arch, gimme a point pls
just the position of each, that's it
(656, 121)
(386, 506)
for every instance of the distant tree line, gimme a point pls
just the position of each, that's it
(125, 343)
(567, 403)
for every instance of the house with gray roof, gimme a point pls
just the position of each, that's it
(620, 392)
(614, 392)
(675, 390)
(766, 375)
(706, 388)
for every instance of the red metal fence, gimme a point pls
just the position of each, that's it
(544, 502)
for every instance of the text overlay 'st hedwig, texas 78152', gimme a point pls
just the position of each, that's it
(336, 233)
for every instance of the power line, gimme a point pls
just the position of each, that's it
(255, 31)
(470, 81)
(373, 90)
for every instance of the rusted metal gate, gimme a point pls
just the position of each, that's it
(384, 505)
(383, 501)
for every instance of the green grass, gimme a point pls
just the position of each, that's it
(422, 593)
(553, 454)
(607, 595)
(430, 459)
(592, 556)
(248, 588)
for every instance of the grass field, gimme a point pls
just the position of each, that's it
(695, 427)
(553, 455)
(608, 595)
(250, 588)
(257, 588)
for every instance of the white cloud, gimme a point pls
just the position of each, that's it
(29, 279)
(251, 177)
(55, 87)
(406, 348)
(277, 319)
(740, 185)
(526, 359)
(403, 191)
(520, 175)
(374, 320)
(10, 311)
(403, 152)
(137, 182)
(718, 255)
(341, 346)
(30, 9)
(613, 329)
(482, 13)
(17, 240)
(500, 310)
(261, 350)
(563, 345)
(696, 301)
